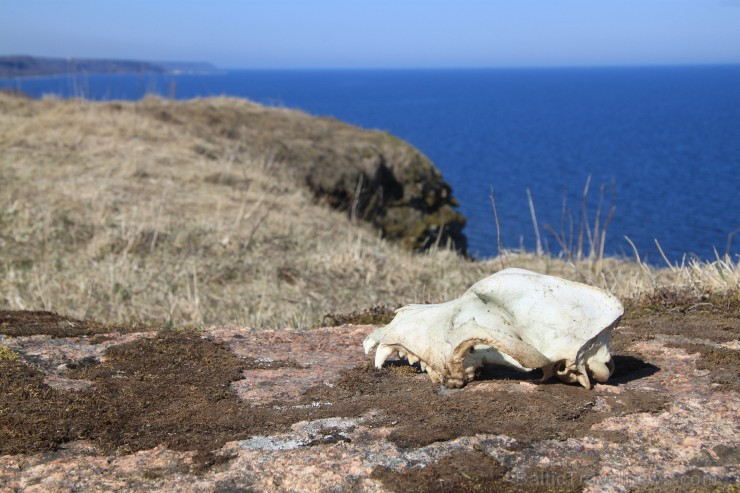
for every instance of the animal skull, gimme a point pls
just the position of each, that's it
(515, 318)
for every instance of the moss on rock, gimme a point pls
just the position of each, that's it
(7, 354)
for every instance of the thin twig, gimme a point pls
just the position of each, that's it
(670, 266)
(498, 230)
(637, 256)
(534, 222)
(595, 247)
(566, 248)
(583, 220)
(439, 237)
(355, 202)
(729, 241)
(612, 208)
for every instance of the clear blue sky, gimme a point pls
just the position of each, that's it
(379, 33)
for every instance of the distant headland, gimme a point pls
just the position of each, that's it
(30, 66)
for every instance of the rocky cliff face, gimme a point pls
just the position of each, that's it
(383, 180)
(371, 175)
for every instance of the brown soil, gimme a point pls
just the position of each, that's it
(375, 315)
(466, 471)
(696, 325)
(423, 412)
(27, 323)
(476, 471)
(174, 390)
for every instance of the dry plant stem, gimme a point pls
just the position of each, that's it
(729, 241)
(500, 248)
(356, 201)
(583, 219)
(534, 222)
(665, 259)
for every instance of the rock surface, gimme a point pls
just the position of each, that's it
(311, 414)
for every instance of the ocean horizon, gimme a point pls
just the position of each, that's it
(660, 144)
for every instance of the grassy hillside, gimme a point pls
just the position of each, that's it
(154, 210)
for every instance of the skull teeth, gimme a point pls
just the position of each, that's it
(368, 344)
(382, 354)
(436, 377)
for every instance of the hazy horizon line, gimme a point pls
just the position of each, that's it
(393, 67)
(396, 67)
(490, 67)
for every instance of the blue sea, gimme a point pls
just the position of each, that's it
(663, 143)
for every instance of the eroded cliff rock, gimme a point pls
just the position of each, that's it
(371, 175)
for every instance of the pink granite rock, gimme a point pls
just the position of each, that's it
(692, 442)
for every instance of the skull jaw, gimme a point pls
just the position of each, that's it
(454, 371)
(442, 369)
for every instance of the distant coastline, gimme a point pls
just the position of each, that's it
(30, 66)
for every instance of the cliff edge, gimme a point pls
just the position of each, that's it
(372, 175)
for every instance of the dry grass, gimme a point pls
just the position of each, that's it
(121, 211)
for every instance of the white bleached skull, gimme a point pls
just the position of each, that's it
(515, 318)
